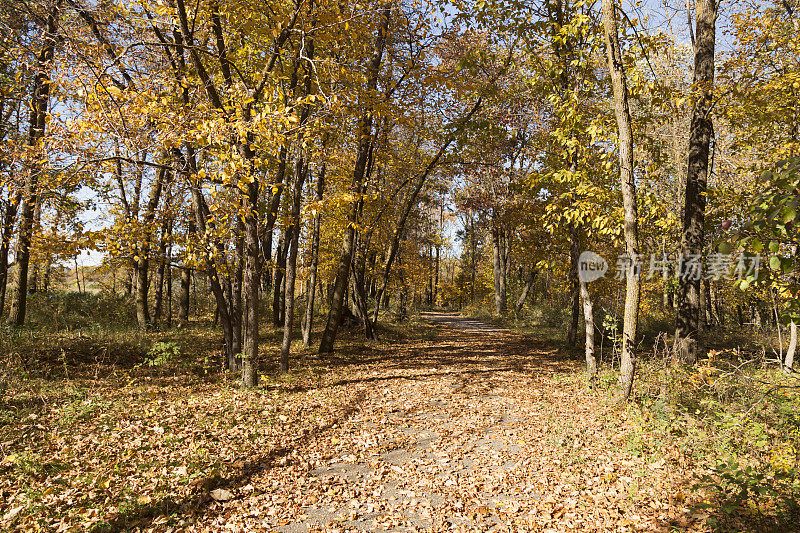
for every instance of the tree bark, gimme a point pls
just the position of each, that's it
(574, 292)
(788, 361)
(39, 108)
(622, 112)
(9, 218)
(278, 277)
(33, 275)
(588, 321)
(183, 297)
(498, 262)
(525, 291)
(702, 130)
(250, 287)
(234, 358)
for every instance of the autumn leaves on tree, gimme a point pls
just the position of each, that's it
(307, 160)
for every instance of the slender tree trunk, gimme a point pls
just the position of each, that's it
(38, 122)
(250, 286)
(525, 291)
(588, 320)
(622, 112)
(169, 286)
(33, 276)
(234, 358)
(473, 250)
(9, 217)
(183, 297)
(357, 282)
(143, 262)
(788, 361)
(498, 256)
(158, 304)
(574, 292)
(702, 130)
(278, 277)
(301, 170)
(312, 278)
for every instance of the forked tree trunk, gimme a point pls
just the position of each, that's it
(702, 130)
(622, 112)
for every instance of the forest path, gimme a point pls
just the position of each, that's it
(476, 429)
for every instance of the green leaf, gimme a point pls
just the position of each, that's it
(775, 262)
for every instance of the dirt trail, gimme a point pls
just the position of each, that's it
(479, 429)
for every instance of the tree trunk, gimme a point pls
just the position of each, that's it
(278, 276)
(702, 129)
(525, 291)
(250, 289)
(588, 320)
(364, 146)
(312, 277)
(788, 361)
(183, 297)
(169, 286)
(301, 170)
(357, 282)
(498, 257)
(622, 112)
(37, 124)
(143, 262)
(158, 305)
(574, 293)
(9, 217)
(33, 276)
(234, 358)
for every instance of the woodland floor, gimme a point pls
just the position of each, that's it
(458, 427)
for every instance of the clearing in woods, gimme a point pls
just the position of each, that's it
(475, 429)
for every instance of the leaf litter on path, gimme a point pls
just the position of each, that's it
(474, 430)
